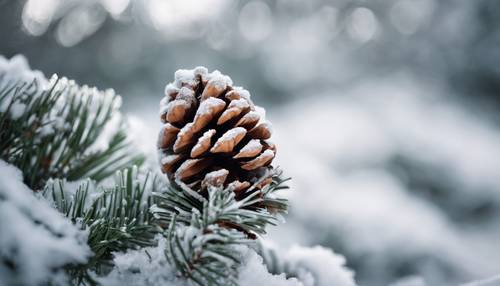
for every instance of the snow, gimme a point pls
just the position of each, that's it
(17, 70)
(319, 266)
(243, 93)
(207, 106)
(184, 76)
(491, 281)
(261, 112)
(229, 139)
(219, 80)
(253, 146)
(169, 159)
(231, 134)
(110, 129)
(346, 195)
(189, 77)
(170, 89)
(204, 139)
(410, 281)
(34, 237)
(12, 71)
(239, 103)
(215, 178)
(146, 266)
(310, 266)
(254, 272)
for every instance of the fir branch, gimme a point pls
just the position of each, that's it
(51, 131)
(116, 218)
(203, 232)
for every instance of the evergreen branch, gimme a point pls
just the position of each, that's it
(50, 132)
(202, 232)
(116, 218)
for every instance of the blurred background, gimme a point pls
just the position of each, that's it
(385, 112)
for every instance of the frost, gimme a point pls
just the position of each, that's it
(35, 239)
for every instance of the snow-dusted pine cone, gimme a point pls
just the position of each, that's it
(213, 134)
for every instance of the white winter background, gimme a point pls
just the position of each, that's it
(385, 114)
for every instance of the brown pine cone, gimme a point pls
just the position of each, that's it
(213, 134)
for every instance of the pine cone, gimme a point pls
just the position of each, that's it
(213, 134)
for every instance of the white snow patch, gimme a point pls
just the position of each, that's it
(208, 105)
(34, 237)
(252, 146)
(319, 266)
(254, 272)
(239, 103)
(145, 266)
(232, 133)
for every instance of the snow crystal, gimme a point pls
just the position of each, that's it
(34, 237)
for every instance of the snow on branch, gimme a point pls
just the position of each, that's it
(36, 242)
(57, 128)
